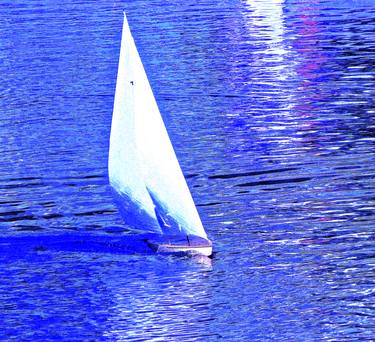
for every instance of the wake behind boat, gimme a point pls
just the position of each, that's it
(144, 172)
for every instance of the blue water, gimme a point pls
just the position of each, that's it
(270, 106)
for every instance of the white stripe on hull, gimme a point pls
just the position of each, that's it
(206, 250)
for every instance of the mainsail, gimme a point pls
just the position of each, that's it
(143, 169)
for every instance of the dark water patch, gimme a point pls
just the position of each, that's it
(10, 202)
(12, 218)
(95, 212)
(28, 228)
(276, 181)
(12, 212)
(48, 204)
(252, 173)
(360, 177)
(191, 175)
(52, 216)
(94, 177)
(209, 204)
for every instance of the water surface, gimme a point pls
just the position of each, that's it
(270, 107)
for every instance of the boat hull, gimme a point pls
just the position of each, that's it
(189, 244)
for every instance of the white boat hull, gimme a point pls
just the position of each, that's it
(207, 251)
(190, 245)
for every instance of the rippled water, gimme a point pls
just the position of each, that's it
(270, 106)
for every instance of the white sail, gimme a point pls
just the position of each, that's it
(143, 168)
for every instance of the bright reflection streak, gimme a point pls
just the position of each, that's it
(266, 21)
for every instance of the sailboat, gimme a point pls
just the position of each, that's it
(143, 169)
